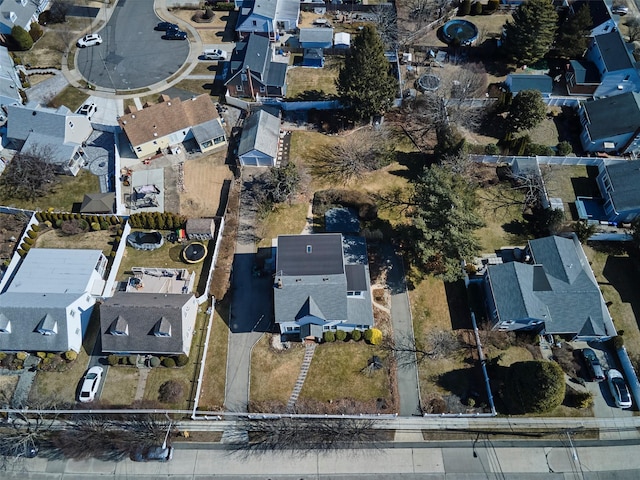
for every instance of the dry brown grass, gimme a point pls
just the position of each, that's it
(285, 219)
(54, 238)
(197, 87)
(274, 373)
(559, 183)
(212, 394)
(7, 387)
(120, 385)
(203, 179)
(302, 79)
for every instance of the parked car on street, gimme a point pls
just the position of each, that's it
(165, 26)
(89, 40)
(90, 384)
(152, 454)
(594, 369)
(174, 35)
(618, 389)
(214, 54)
(88, 109)
(619, 9)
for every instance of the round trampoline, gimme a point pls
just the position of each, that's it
(145, 240)
(428, 82)
(194, 252)
(460, 32)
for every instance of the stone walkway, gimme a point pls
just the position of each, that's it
(310, 348)
(25, 381)
(142, 382)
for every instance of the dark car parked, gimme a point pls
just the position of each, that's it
(175, 35)
(165, 26)
(596, 374)
(152, 454)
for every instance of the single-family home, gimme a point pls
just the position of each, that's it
(10, 84)
(200, 228)
(321, 284)
(171, 122)
(253, 72)
(601, 20)
(518, 82)
(607, 69)
(21, 13)
(611, 124)
(618, 185)
(148, 323)
(102, 203)
(57, 135)
(259, 140)
(552, 289)
(268, 17)
(48, 303)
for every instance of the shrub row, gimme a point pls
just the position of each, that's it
(55, 218)
(476, 8)
(169, 362)
(157, 220)
(372, 336)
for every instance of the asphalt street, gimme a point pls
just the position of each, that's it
(132, 54)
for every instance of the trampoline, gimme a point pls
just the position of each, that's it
(194, 252)
(145, 240)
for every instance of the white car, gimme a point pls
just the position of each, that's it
(214, 54)
(620, 10)
(90, 384)
(89, 40)
(88, 109)
(618, 389)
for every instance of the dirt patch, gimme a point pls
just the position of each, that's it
(202, 185)
(7, 387)
(12, 227)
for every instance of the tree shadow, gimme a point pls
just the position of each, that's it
(458, 303)
(415, 163)
(515, 227)
(314, 95)
(584, 187)
(461, 382)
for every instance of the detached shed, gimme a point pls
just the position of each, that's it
(342, 40)
(313, 57)
(200, 228)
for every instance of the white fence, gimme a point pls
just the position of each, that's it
(203, 359)
(236, 102)
(542, 160)
(120, 207)
(109, 288)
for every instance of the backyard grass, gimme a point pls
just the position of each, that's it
(285, 219)
(54, 238)
(120, 386)
(307, 79)
(545, 133)
(70, 97)
(503, 225)
(274, 373)
(213, 387)
(567, 182)
(61, 197)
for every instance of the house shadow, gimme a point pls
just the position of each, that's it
(229, 32)
(622, 274)
(458, 305)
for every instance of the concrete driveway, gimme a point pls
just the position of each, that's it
(132, 55)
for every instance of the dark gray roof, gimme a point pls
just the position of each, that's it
(313, 53)
(614, 51)
(316, 35)
(98, 203)
(559, 289)
(341, 219)
(319, 254)
(30, 312)
(585, 72)
(356, 278)
(542, 83)
(276, 74)
(613, 116)
(257, 54)
(625, 177)
(147, 318)
(208, 131)
(260, 132)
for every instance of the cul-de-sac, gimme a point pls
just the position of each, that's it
(319, 239)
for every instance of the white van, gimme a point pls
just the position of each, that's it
(214, 54)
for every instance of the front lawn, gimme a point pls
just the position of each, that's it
(120, 386)
(70, 97)
(213, 387)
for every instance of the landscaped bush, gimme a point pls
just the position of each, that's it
(492, 6)
(464, 8)
(35, 31)
(182, 360)
(373, 336)
(154, 362)
(534, 387)
(42, 355)
(74, 226)
(35, 228)
(356, 335)
(70, 356)
(95, 226)
(476, 9)
(22, 252)
(133, 359)
(579, 399)
(22, 356)
(617, 342)
(21, 37)
(29, 241)
(113, 360)
(169, 362)
(104, 225)
(157, 220)
(31, 234)
(492, 149)
(224, 6)
(171, 391)
(564, 148)
(341, 335)
(329, 336)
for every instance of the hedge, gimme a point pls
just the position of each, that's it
(329, 336)
(356, 335)
(341, 335)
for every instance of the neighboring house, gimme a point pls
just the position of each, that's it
(611, 125)
(608, 68)
(172, 121)
(48, 303)
(618, 185)
(554, 291)
(259, 140)
(518, 82)
(601, 19)
(21, 13)
(253, 73)
(102, 203)
(200, 228)
(268, 17)
(10, 84)
(56, 134)
(148, 323)
(321, 284)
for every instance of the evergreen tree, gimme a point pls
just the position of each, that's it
(365, 82)
(527, 110)
(573, 36)
(21, 38)
(530, 35)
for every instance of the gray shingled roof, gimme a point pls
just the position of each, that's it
(614, 52)
(319, 254)
(624, 178)
(585, 72)
(519, 82)
(260, 132)
(613, 116)
(208, 131)
(316, 35)
(559, 289)
(9, 82)
(356, 278)
(256, 54)
(146, 316)
(98, 203)
(276, 74)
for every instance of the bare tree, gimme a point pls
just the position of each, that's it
(386, 20)
(527, 191)
(437, 344)
(28, 175)
(633, 28)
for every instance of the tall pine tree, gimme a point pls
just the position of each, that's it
(573, 36)
(365, 82)
(530, 35)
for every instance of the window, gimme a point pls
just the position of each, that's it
(206, 144)
(120, 332)
(138, 149)
(72, 313)
(263, 89)
(255, 23)
(238, 88)
(71, 124)
(48, 325)
(219, 140)
(355, 294)
(626, 78)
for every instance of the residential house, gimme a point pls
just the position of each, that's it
(601, 19)
(21, 13)
(200, 228)
(321, 284)
(171, 122)
(58, 135)
(148, 323)
(253, 72)
(259, 140)
(10, 84)
(607, 69)
(552, 290)
(611, 124)
(101, 203)
(48, 303)
(518, 82)
(618, 185)
(313, 41)
(267, 17)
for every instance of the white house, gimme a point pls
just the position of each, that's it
(259, 140)
(268, 17)
(21, 13)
